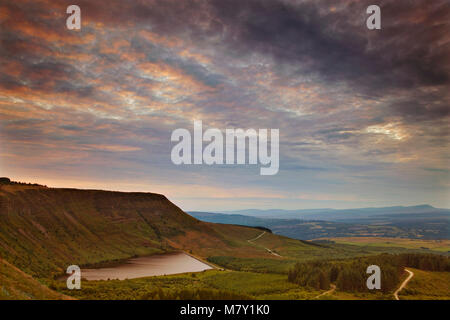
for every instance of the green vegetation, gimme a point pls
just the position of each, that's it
(419, 222)
(15, 284)
(426, 285)
(305, 281)
(350, 275)
(263, 265)
(44, 230)
(7, 181)
(292, 255)
(423, 245)
(218, 284)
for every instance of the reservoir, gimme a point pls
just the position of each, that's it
(156, 265)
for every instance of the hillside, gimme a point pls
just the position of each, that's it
(15, 284)
(44, 230)
(427, 285)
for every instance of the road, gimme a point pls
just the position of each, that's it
(251, 240)
(268, 250)
(332, 286)
(411, 274)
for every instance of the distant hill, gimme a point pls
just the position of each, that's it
(419, 222)
(239, 219)
(339, 214)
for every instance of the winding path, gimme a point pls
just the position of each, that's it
(332, 286)
(411, 274)
(251, 240)
(268, 250)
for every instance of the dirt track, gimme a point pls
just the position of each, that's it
(411, 274)
(268, 250)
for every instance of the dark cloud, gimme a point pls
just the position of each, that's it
(71, 128)
(350, 103)
(336, 46)
(307, 36)
(308, 39)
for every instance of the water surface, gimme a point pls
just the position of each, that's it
(156, 265)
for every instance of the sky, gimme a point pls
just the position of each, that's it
(363, 115)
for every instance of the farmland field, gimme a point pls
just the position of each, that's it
(433, 245)
(426, 285)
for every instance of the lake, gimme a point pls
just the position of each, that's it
(156, 265)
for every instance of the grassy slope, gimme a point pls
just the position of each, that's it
(424, 285)
(248, 284)
(15, 284)
(432, 245)
(43, 230)
(293, 251)
(427, 285)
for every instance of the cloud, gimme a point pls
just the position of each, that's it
(359, 111)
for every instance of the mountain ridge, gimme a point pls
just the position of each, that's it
(44, 230)
(333, 214)
(418, 223)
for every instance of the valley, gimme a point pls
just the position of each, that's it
(130, 236)
(419, 222)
